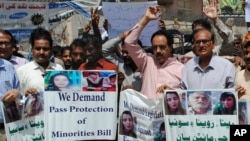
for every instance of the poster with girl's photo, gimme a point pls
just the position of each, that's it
(140, 118)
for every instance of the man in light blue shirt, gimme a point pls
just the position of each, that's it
(9, 87)
(206, 70)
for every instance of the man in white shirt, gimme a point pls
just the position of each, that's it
(31, 74)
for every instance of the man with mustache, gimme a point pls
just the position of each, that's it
(160, 70)
(209, 70)
(92, 46)
(243, 77)
(76, 53)
(31, 74)
(199, 103)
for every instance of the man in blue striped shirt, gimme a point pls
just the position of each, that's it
(9, 88)
(9, 91)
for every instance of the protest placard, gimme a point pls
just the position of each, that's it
(82, 106)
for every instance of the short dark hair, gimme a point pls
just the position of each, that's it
(203, 22)
(162, 126)
(6, 32)
(40, 33)
(93, 40)
(64, 49)
(78, 42)
(165, 33)
(168, 35)
(225, 95)
(198, 30)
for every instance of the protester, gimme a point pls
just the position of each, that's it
(238, 59)
(217, 72)
(6, 52)
(56, 55)
(77, 55)
(9, 91)
(199, 103)
(161, 135)
(227, 105)
(160, 70)
(92, 51)
(66, 58)
(127, 124)
(243, 76)
(132, 76)
(173, 104)
(31, 74)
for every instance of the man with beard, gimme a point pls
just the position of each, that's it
(77, 54)
(243, 77)
(126, 66)
(66, 58)
(199, 103)
(160, 70)
(31, 74)
(92, 46)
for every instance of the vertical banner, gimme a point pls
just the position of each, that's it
(200, 114)
(139, 117)
(80, 105)
(29, 124)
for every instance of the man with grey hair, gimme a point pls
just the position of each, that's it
(199, 103)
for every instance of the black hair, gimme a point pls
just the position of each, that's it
(198, 30)
(162, 126)
(57, 50)
(78, 42)
(225, 95)
(63, 49)
(168, 36)
(203, 22)
(165, 33)
(40, 33)
(93, 40)
(52, 85)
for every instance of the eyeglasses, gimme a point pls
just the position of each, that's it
(6, 44)
(198, 42)
(162, 47)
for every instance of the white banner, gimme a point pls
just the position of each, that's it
(200, 114)
(84, 109)
(139, 117)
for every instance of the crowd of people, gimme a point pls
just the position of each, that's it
(149, 72)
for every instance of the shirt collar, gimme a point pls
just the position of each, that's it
(210, 65)
(35, 66)
(2, 63)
